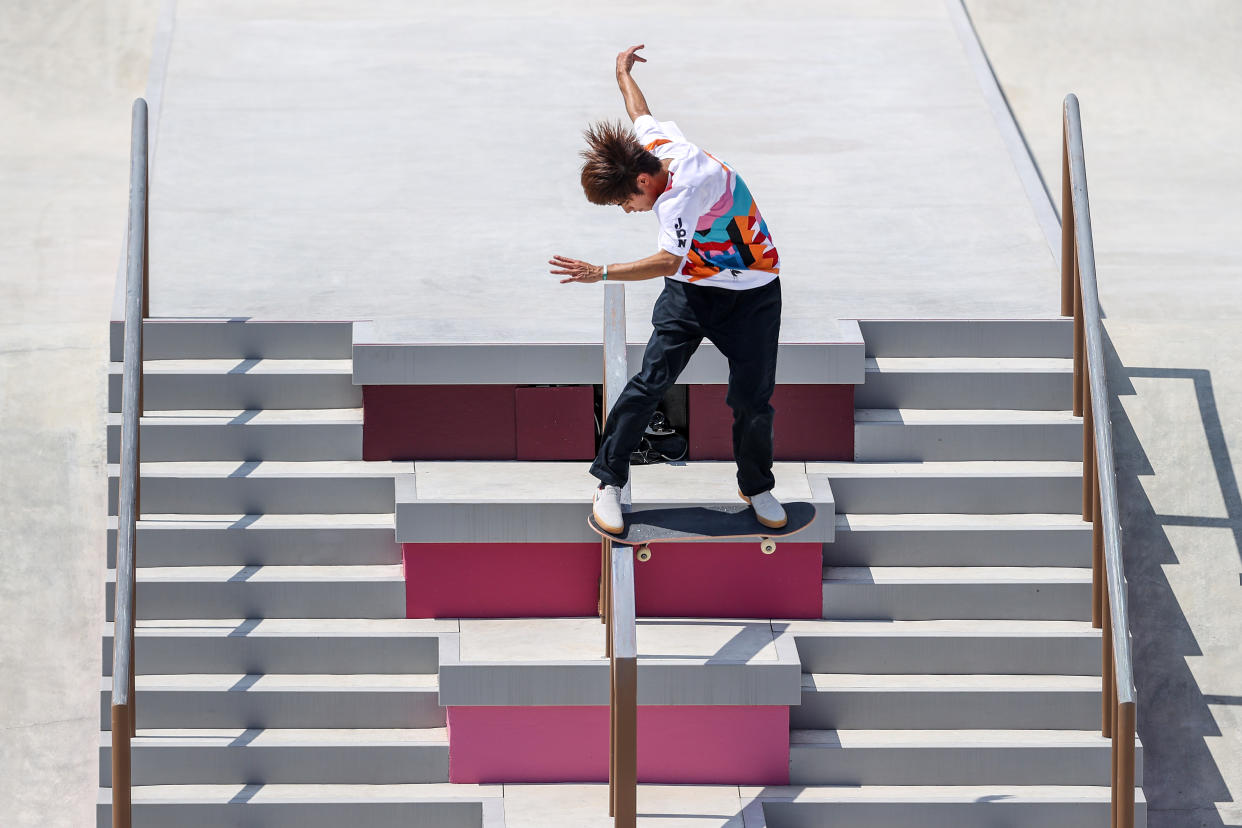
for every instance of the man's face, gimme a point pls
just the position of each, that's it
(645, 199)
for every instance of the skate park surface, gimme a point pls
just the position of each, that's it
(309, 170)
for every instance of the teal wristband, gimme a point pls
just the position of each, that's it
(605, 273)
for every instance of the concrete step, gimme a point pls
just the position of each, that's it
(947, 647)
(187, 592)
(172, 384)
(257, 756)
(265, 487)
(960, 540)
(1052, 337)
(552, 662)
(941, 806)
(910, 593)
(261, 540)
(436, 805)
(236, 700)
(257, 434)
(286, 646)
(851, 701)
(893, 435)
(225, 338)
(952, 757)
(974, 487)
(1032, 384)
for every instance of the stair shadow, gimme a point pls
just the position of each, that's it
(1174, 719)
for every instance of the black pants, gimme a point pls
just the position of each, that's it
(745, 326)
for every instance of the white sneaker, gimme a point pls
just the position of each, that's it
(608, 509)
(767, 509)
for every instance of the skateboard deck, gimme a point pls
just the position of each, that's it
(644, 527)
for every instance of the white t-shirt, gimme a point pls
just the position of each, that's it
(707, 215)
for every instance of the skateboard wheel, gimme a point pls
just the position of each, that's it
(644, 553)
(768, 546)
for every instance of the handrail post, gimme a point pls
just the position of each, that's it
(1088, 446)
(1067, 227)
(1080, 339)
(1097, 557)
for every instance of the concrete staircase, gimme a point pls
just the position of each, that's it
(279, 682)
(956, 667)
(953, 679)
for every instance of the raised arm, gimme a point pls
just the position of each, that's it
(635, 103)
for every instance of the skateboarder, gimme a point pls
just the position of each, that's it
(720, 271)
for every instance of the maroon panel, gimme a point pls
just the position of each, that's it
(813, 422)
(555, 423)
(438, 422)
(501, 580)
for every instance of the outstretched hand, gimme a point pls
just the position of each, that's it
(625, 60)
(576, 270)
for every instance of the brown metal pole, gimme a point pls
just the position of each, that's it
(1088, 447)
(627, 744)
(122, 804)
(1067, 228)
(1107, 676)
(603, 581)
(612, 735)
(1097, 557)
(1114, 781)
(608, 598)
(1125, 774)
(1079, 339)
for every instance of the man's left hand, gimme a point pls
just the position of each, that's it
(576, 270)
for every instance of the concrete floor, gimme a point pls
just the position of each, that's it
(1158, 84)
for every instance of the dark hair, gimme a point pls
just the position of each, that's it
(614, 160)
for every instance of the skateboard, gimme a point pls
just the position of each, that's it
(703, 523)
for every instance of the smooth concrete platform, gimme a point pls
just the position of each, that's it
(892, 193)
(549, 502)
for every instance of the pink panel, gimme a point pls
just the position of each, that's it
(552, 580)
(501, 580)
(813, 422)
(731, 580)
(438, 422)
(724, 745)
(555, 423)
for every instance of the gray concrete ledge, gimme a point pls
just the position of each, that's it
(416, 352)
(560, 661)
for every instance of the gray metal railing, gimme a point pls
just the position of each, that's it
(137, 306)
(1080, 297)
(617, 602)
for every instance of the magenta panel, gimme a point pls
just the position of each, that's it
(813, 422)
(501, 580)
(554, 580)
(724, 745)
(730, 580)
(555, 423)
(438, 422)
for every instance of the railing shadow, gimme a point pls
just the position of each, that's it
(1174, 719)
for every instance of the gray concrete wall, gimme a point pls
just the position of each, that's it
(1159, 86)
(69, 70)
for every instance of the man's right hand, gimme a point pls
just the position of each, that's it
(625, 60)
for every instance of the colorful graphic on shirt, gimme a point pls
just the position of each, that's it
(735, 239)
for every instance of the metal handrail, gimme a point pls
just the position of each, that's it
(1080, 297)
(617, 602)
(137, 305)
